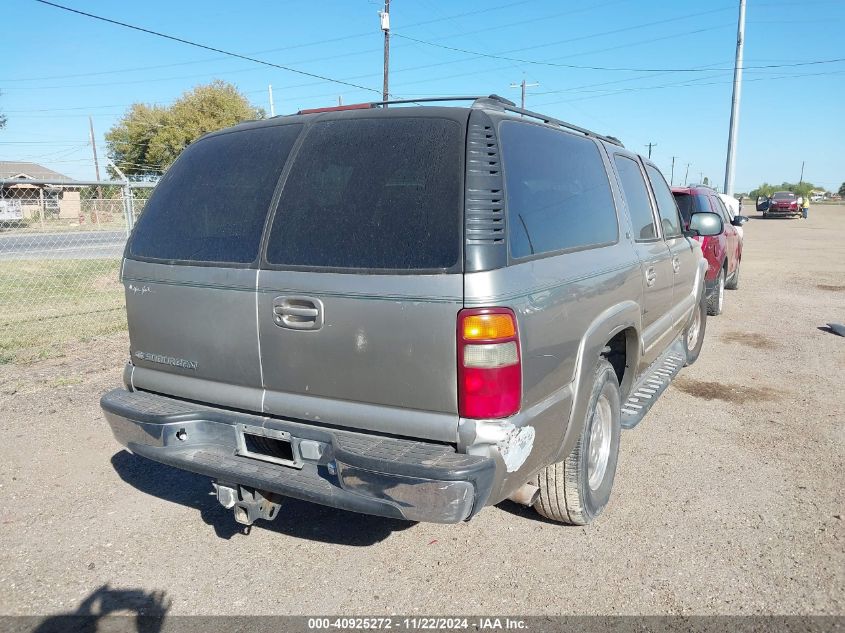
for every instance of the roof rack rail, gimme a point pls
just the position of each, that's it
(553, 121)
(490, 100)
(424, 100)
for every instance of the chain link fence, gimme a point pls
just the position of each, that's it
(60, 248)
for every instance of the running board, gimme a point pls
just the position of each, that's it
(654, 382)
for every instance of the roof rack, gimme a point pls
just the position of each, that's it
(493, 100)
(509, 106)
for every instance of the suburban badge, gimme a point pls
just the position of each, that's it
(166, 360)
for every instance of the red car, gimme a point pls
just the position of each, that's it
(724, 251)
(781, 203)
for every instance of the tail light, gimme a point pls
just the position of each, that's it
(489, 363)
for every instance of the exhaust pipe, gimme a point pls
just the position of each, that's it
(525, 495)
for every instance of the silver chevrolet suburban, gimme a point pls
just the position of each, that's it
(411, 311)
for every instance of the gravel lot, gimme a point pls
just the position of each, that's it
(728, 499)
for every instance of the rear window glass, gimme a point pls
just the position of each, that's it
(212, 203)
(373, 194)
(691, 203)
(558, 193)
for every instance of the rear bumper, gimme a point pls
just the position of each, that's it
(371, 474)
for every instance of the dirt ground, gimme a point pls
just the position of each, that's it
(728, 499)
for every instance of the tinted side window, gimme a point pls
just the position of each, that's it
(636, 195)
(373, 194)
(665, 204)
(719, 207)
(558, 194)
(212, 203)
(686, 206)
(689, 204)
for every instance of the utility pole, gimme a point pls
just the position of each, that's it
(731, 161)
(340, 100)
(94, 148)
(272, 105)
(672, 178)
(523, 86)
(649, 146)
(686, 176)
(96, 213)
(384, 17)
(801, 179)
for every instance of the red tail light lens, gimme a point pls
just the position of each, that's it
(489, 363)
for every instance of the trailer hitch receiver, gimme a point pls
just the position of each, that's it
(249, 504)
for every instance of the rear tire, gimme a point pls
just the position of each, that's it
(716, 301)
(733, 282)
(577, 489)
(693, 337)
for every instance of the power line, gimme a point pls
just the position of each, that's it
(206, 47)
(438, 64)
(604, 68)
(686, 83)
(485, 10)
(346, 54)
(506, 25)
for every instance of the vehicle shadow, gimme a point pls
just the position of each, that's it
(525, 512)
(772, 217)
(149, 609)
(296, 518)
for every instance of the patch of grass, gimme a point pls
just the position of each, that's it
(45, 304)
(67, 381)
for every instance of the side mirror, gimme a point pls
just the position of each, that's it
(706, 224)
(739, 220)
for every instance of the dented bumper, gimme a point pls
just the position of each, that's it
(370, 474)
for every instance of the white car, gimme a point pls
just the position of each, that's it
(733, 209)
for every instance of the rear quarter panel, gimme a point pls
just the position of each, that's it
(558, 301)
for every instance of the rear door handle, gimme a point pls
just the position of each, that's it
(298, 313)
(650, 276)
(292, 310)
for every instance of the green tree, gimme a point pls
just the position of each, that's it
(842, 189)
(799, 189)
(148, 138)
(763, 190)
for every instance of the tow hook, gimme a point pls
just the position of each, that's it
(249, 504)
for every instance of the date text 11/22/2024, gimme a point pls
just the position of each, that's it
(416, 623)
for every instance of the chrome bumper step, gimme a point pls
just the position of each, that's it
(654, 382)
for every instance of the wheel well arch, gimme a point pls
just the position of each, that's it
(617, 328)
(619, 350)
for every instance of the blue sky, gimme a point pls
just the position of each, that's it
(59, 68)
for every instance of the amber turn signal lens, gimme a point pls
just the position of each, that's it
(488, 326)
